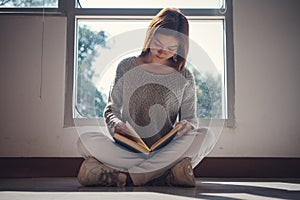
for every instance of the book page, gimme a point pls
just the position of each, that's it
(130, 143)
(164, 138)
(136, 135)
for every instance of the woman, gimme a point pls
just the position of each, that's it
(153, 92)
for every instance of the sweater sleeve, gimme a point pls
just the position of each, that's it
(188, 105)
(112, 111)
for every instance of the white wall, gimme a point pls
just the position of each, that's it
(267, 80)
(267, 69)
(30, 125)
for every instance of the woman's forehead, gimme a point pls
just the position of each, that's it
(168, 40)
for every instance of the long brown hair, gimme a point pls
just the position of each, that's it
(170, 21)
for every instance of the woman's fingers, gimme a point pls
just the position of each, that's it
(121, 128)
(186, 127)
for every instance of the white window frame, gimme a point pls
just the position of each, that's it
(192, 13)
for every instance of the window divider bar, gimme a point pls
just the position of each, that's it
(30, 11)
(68, 7)
(230, 122)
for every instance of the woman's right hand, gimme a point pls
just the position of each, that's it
(121, 128)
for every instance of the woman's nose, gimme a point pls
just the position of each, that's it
(161, 51)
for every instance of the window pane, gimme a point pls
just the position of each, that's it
(29, 3)
(207, 62)
(98, 39)
(198, 4)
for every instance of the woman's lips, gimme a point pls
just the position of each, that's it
(159, 57)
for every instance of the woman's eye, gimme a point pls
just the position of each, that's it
(157, 44)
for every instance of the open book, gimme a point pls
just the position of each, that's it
(135, 142)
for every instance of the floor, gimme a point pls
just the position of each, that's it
(69, 188)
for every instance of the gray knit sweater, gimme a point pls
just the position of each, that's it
(150, 102)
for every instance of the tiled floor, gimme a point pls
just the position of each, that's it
(69, 188)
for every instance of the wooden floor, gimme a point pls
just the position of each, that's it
(69, 188)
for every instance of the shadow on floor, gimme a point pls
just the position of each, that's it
(219, 189)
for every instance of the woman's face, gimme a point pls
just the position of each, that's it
(163, 47)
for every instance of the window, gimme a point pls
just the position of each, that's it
(97, 39)
(209, 33)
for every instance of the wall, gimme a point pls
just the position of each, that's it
(267, 69)
(32, 121)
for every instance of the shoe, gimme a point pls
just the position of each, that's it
(182, 174)
(179, 175)
(92, 172)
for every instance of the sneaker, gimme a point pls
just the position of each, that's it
(182, 174)
(92, 172)
(179, 175)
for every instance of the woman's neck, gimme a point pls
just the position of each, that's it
(145, 62)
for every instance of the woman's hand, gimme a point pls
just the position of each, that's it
(186, 127)
(121, 128)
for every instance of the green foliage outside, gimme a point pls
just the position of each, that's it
(209, 94)
(90, 102)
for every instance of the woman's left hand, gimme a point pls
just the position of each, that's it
(186, 127)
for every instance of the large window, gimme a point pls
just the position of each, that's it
(210, 55)
(101, 44)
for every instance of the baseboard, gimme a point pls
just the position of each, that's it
(210, 167)
(233, 167)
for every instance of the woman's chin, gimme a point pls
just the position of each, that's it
(159, 60)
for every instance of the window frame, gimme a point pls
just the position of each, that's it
(69, 9)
